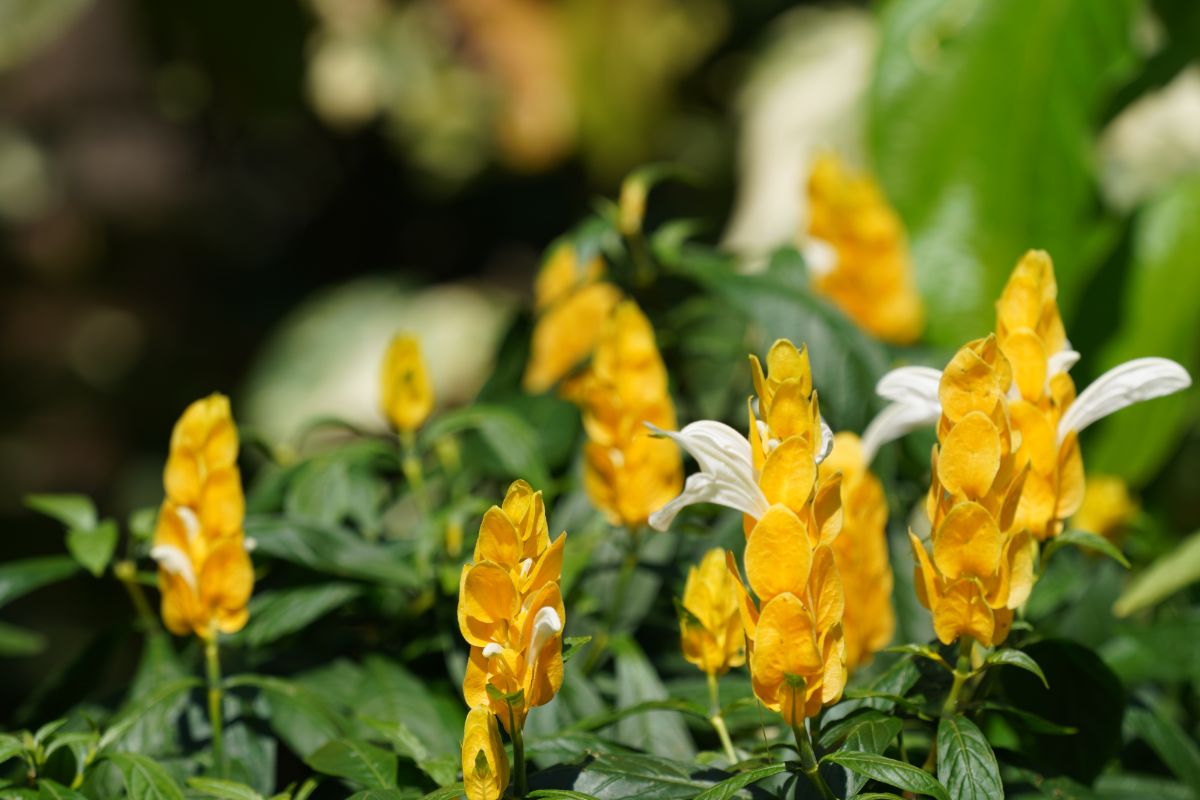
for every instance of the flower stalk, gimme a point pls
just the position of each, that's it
(518, 743)
(808, 761)
(718, 720)
(212, 661)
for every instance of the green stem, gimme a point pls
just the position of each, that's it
(518, 743)
(808, 762)
(717, 720)
(212, 662)
(413, 473)
(126, 572)
(956, 697)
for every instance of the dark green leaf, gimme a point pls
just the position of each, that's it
(357, 761)
(144, 778)
(1170, 742)
(1086, 541)
(302, 718)
(1031, 721)
(512, 441)
(162, 695)
(868, 732)
(93, 547)
(1129, 786)
(890, 771)
(966, 764)
(75, 511)
(445, 793)
(18, 578)
(225, 790)
(1015, 658)
(660, 732)
(49, 790)
(731, 786)
(147, 722)
(560, 794)
(622, 776)
(16, 641)
(333, 550)
(274, 615)
(390, 692)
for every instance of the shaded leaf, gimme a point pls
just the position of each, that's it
(1087, 541)
(19, 578)
(731, 786)
(1015, 658)
(225, 790)
(966, 764)
(75, 511)
(890, 771)
(1163, 578)
(511, 440)
(144, 778)
(660, 732)
(274, 615)
(1170, 742)
(93, 547)
(357, 761)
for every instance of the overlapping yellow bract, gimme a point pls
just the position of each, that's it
(982, 562)
(1030, 330)
(406, 393)
(572, 302)
(872, 279)
(205, 574)
(1107, 507)
(861, 552)
(485, 763)
(628, 473)
(510, 608)
(710, 625)
(794, 633)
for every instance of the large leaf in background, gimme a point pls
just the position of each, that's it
(512, 442)
(620, 776)
(333, 550)
(981, 121)
(275, 614)
(18, 578)
(1160, 317)
(660, 732)
(1169, 741)
(966, 764)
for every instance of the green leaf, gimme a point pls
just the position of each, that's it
(274, 615)
(729, 787)
(1131, 786)
(16, 641)
(966, 764)
(93, 547)
(1030, 720)
(571, 646)
(1170, 742)
(660, 732)
(49, 790)
(357, 761)
(1087, 541)
(388, 691)
(511, 440)
(1163, 578)
(75, 511)
(868, 732)
(10, 747)
(1160, 316)
(144, 778)
(1015, 658)
(154, 728)
(890, 771)
(302, 718)
(161, 695)
(225, 790)
(142, 521)
(19, 578)
(386, 794)
(332, 550)
(560, 794)
(920, 651)
(445, 793)
(980, 119)
(620, 776)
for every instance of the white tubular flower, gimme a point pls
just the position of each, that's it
(174, 561)
(1120, 387)
(726, 475)
(914, 395)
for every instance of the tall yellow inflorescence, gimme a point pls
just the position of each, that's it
(982, 562)
(858, 253)
(510, 608)
(794, 633)
(628, 472)
(1030, 332)
(572, 301)
(406, 393)
(710, 625)
(204, 574)
(861, 552)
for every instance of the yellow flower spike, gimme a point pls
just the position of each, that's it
(205, 574)
(510, 609)
(406, 394)
(628, 473)
(1107, 507)
(484, 761)
(857, 252)
(710, 626)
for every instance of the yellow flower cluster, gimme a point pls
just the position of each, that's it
(982, 564)
(710, 624)
(1107, 507)
(572, 302)
(858, 253)
(406, 393)
(1030, 332)
(204, 574)
(628, 473)
(510, 609)
(794, 634)
(485, 763)
(861, 551)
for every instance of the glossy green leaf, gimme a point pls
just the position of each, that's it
(622, 776)
(145, 779)
(50, 790)
(19, 578)
(93, 547)
(75, 511)
(357, 761)
(302, 718)
(1163, 578)
(332, 550)
(980, 118)
(1087, 541)
(729, 787)
(223, 789)
(162, 695)
(1169, 741)
(662, 733)
(445, 793)
(890, 771)
(158, 695)
(966, 764)
(1015, 658)
(274, 615)
(512, 441)
(867, 732)
(563, 794)
(10, 747)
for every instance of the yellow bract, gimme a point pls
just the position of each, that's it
(484, 761)
(794, 634)
(1029, 331)
(861, 552)
(406, 394)
(204, 572)
(1107, 507)
(628, 472)
(982, 561)
(710, 626)
(573, 303)
(510, 608)
(872, 279)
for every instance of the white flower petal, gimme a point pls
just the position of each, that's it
(545, 625)
(894, 421)
(826, 442)
(1122, 386)
(492, 649)
(820, 257)
(1062, 361)
(174, 561)
(911, 386)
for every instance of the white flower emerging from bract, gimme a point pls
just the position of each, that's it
(915, 404)
(727, 476)
(174, 561)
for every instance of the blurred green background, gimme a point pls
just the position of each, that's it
(250, 197)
